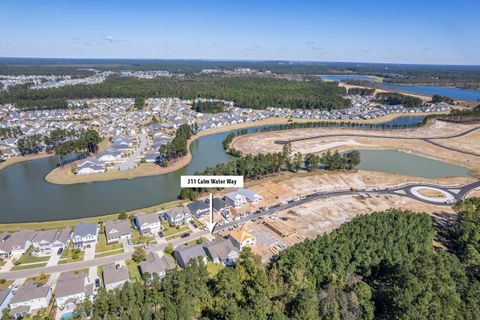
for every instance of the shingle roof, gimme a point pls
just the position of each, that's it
(186, 253)
(69, 284)
(219, 248)
(147, 218)
(178, 211)
(112, 274)
(156, 264)
(29, 292)
(240, 235)
(82, 229)
(117, 228)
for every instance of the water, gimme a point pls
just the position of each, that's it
(26, 197)
(408, 164)
(456, 93)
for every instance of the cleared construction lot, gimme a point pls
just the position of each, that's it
(309, 220)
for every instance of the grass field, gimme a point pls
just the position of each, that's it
(68, 255)
(27, 257)
(5, 284)
(109, 253)
(42, 279)
(102, 245)
(10, 227)
(133, 271)
(174, 232)
(29, 266)
(137, 238)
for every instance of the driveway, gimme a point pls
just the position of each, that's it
(129, 163)
(90, 253)
(53, 261)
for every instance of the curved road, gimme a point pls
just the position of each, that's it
(429, 140)
(404, 190)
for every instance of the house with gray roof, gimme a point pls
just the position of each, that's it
(178, 215)
(184, 254)
(198, 207)
(222, 251)
(148, 223)
(235, 199)
(85, 235)
(17, 244)
(89, 166)
(72, 289)
(29, 298)
(117, 229)
(250, 195)
(156, 264)
(114, 276)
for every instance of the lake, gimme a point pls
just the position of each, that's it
(456, 93)
(26, 197)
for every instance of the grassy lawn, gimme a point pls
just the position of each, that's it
(100, 274)
(102, 245)
(137, 238)
(67, 255)
(133, 271)
(172, 232)
(213, 268)
(4, 284)
(109, 253)
(64, 223)
(27, 257)
(43, 279)
(29, 266)
(2, 263)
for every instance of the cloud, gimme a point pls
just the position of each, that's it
(109, 38)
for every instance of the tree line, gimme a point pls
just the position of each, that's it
(178, 147)
(395, 98)
(209, 106)
(362, 91)
(247, 92)
(12, 132)
(377, 266)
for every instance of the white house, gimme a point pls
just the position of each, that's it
(178, 215)
(235, 199)
(117, 229)
(29, 298)
(148, 223)
(241, 238)
(17, 244)
(72, 289)
(250, 195)
(85, 235)
(90, 165)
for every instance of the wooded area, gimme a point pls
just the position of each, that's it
(377, 266)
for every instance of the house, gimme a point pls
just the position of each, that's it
(72, 289)
(199, 208)
(152, 156)
(114, 276)
(185, 254)
(5, 297)
(250, 195)
(156, 264)
(85, 235)
(42, 243)
(29, 298)
(117, 229)
(148, 223)
(90, 165)
(235, 199)
(110, 155)
(178, 215)
(241, 238)
(61, 239)
(218, 204)
(222, 251)
(17, 244)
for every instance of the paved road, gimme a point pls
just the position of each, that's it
(426, 139)
(403, 190)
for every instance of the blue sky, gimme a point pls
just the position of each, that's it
(422, 31)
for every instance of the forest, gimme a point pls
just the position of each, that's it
(362, 91)
(178, 147)
(378, 266)
(209, 106)
(394, 98)
(249, 92)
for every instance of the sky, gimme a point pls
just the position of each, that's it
(389, 31)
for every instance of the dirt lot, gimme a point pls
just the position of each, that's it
(264, 142)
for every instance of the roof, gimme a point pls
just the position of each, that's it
(220, 248)
(233, 195)
(46, 236)
(83, 229)
(147, 218)
(198, 205)
(178, 211)
(156, 264)
(114, 274)
(249, 194)
(217, 203)
(63, 235)
(186, 253)
(18, 239)
(69, 284)
(117, 228)
(240, 235)
(29, 292)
